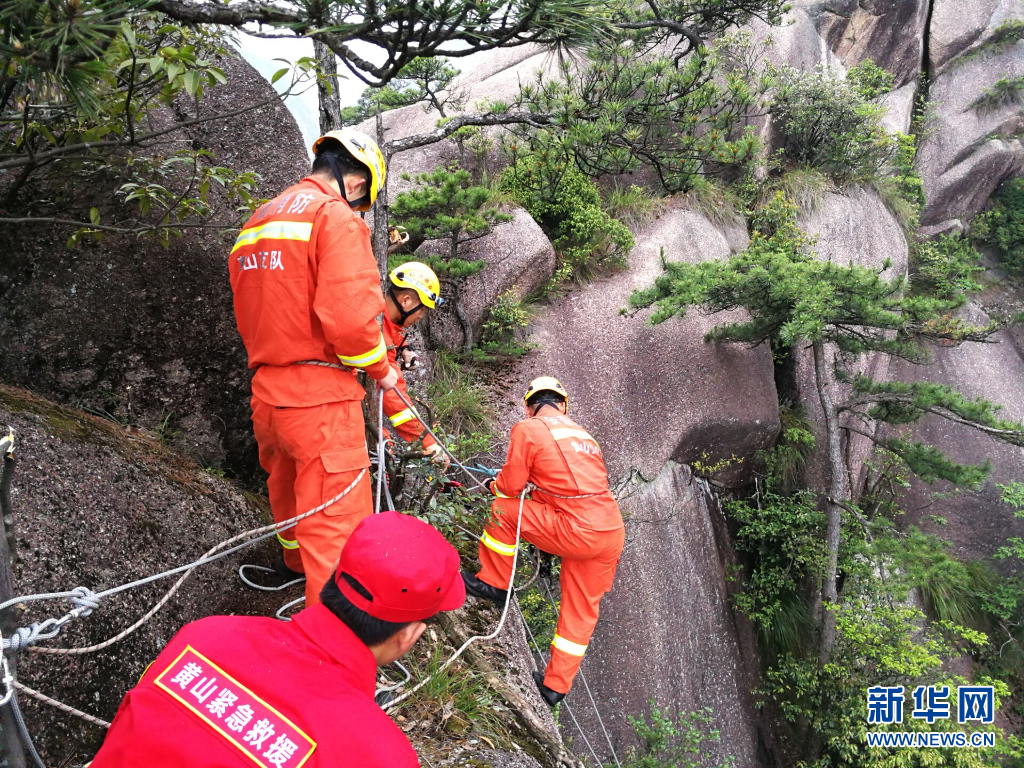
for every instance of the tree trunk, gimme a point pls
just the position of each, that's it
(833, 511)
(381, 241)
(330, 103)
(12, 751)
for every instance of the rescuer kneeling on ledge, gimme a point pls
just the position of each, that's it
(233, 691)
(557, 456)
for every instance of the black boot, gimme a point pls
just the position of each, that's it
(284, 571)
(551, 697)
(482, 589)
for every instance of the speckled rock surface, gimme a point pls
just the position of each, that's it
(968, 151)
(666, 630)
(650, 393)
(976, 521)
(519, 257)
(143, 332)
(97, 507)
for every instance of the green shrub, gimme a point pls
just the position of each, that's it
(947, 267)
(784, 464)
(680, 741)
(1002, 226)
(633, 206)
(1002, 39)
(824, 123)
(507, 317)
(1004, 92)
(457, 400)
(870, 80)
(568, 206)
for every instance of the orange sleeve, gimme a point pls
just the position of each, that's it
(348, 298)
(516, 473)
(399, 414)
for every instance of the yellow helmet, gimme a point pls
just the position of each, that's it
(546, 384)
(365, 151)
(418, 277)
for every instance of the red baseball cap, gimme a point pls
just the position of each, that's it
(406, 567)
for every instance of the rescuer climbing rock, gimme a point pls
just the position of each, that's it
(571, 513)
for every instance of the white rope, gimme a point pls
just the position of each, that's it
(27, 636)
(583, 679)
(475, 638)
(565, 704)
(263, 569)
(61, 705)
(380, 449)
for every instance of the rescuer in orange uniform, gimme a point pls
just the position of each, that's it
(307, 296)
(413, 288)
(231, 691)
(557, 456)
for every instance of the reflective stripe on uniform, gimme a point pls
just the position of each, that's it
(568, 646)
(368, 358)
(562, 433)
(287, 543)
(498, 493)
(401, 417)
(502, 549)
(275, 230)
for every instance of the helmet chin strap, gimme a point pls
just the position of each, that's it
(403, 314)
(340, 178)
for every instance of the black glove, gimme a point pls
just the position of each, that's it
(490, 486)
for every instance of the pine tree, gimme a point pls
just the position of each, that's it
(794, 299)
(447, 206)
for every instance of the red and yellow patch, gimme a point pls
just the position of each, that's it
(258, 730)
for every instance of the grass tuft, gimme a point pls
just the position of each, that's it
(633, 206)
(456, 399)
(1004, 92)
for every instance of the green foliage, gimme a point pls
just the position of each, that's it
(674, 741)
(869, 80)
(806, 187)
(568, 206)
(783, 539)
(784, 463)
(633, 206)
(824, 123)
(77, 88)
(680, 115)
(540, 615)
(426, 81)
(1004, 92)
(457, 400)
(715, 201)
(902, 190)
(1002, 39)
(448, 206)
(1002, 226)
(947, 267)
(507, 317)
(1013, 496)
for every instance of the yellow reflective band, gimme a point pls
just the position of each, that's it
(401, 417)
(275, 230)
(371, 357)
(287, 543)
(568, 646)
(498, 493)
(502, 549)
(561, 433)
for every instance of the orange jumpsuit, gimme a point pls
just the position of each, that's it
(400, 416)
(557, 455)
(306, 288)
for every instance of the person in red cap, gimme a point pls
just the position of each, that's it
(232, 691)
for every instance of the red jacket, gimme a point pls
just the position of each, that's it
(556, 454)
(306, 287)
(398, 413)
(229, 691)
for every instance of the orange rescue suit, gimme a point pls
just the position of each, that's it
(557, 455)
(306, 289)
(400, 415)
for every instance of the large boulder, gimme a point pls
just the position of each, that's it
(519, 258)
(889, 32)
(968, 149)
(98, 506)
(653, 393)
(142, 332)
(667, 634)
